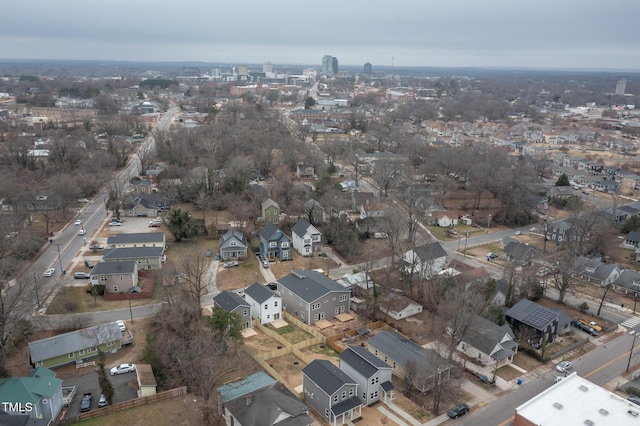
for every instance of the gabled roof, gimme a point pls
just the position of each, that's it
(270, 203)
(232, 235)
(310, 285)
(520, 251)
(327, 376)
(28, 389)
(633, 236)
(628, 279)
(272, 233)
(230, 301)
(430, 251)
(132, 253)
(137, 238)
(66, 343)
(363, 361)
(114, 268)
(536, 315)
(260, 293)
(403, 350)
(394, 302)
(303, 226)
(485, 335)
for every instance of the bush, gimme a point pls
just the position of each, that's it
(583, 307)
(98, 288)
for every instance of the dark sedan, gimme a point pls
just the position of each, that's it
(458, 410)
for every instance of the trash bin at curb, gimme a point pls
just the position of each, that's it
(519, 380)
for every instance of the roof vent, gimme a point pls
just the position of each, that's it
(603, 412)
(633, 412)
(297, 274)
(583, 388)
(589, 422)
(557, 405)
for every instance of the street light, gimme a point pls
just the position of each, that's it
(631, 351)
(35, 284)
(488, 223)
(466, 236)
(544, 249)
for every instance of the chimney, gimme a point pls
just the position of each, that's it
(249, 400)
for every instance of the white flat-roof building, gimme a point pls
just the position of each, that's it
(576, 401)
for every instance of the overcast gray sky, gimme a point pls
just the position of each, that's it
(459, 33)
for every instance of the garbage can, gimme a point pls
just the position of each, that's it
(519, 380)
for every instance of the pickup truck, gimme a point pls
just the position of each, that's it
(586, 327)
(68, 393)
(85, 403)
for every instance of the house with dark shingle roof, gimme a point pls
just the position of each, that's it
(372, 374)
(116, 276)
(266, 305)
(274, 243)
(628, 283)
(331, 391)
(261, 400)
(632, 240)
(75, 346)
(38, 396)
(488, 342)
(306, 238)
(142, 205)
(428, 259)
(140, 239)
(535, 322)
(426, 366)
(233, 245)
(144, 257)
(311, 296)
(232, 302)
(596, 271)
(519, 252)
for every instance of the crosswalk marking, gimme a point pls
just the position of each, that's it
(631, 322)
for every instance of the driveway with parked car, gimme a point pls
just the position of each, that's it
(89, 383)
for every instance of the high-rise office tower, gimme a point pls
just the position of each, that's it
(334, 65)
(621, 87)
(327, 64)
(267, 67)
(367, 68)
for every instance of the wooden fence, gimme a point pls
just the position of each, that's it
(260, 359)
(290, 318)
(123, 406)
(334, 341)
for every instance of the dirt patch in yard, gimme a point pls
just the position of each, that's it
(280, 269)
(508, 373)
(261, 342)
(290, 367)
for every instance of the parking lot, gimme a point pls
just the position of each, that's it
(124, 386)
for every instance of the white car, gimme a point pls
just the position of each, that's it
(121, 325)
(82, 232)
(83, 200)
(78, 222)
(518, 233)
(49, 272)
(114, 223)
(122, 368)
(563, 366)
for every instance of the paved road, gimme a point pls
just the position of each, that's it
(85, 319)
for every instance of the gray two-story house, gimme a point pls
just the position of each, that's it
(233, 245)
(232, 302)
(311, 296)
(372, 374)
(116, 277)
(274, 243)
(331, 391)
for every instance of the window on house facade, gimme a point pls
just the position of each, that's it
(326, 412)
(337, 311)
(233, 244)
(344, 394)
(335, 398)
(81, 352)
(344, 298)
(273, 244)
(92, 349)
(103, 278)
(244, 312)
(71, 355)
(351, 391)
(321, 315)
(285, 245)
(115, 288)
(275, 303)
(315, 306)
(266, 306)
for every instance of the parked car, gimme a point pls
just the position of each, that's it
(114, 223)
(81, 275)
(517, 233)
(634, 399)
(230, 264)
(272, 286)
(154, 224)
(121, 325)
(89, 264)
(82, 232)
(265, 263)
(49, 272)
(491, 256)
(564, 366)
(85, 402)
(102, 402)
(78, 222)
(452, 232)
(83, 200)
(122, 368)
(458, 410)
(96, 247)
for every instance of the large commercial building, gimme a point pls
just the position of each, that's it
(621, 87)
(329, 65)
(575, 401)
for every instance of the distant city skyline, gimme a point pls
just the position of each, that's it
(546, 34)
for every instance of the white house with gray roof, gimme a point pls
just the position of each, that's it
(266, 305)
(117, 276)
(232, 302)
(306, 238)
(331, 391)
(144, 257)
(488, 342)
(311, 296)
(427, 260)
(372, 374)
(75, 346)
(141, 239)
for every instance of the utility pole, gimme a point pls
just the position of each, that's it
(631, 351)
(35, 283)
(130, 310)
(60, 259)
